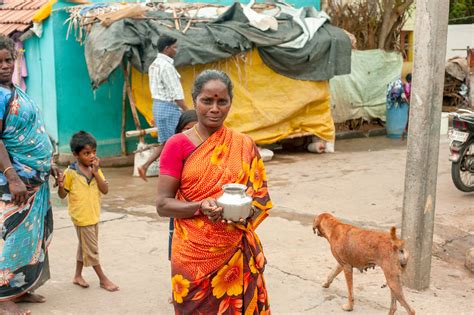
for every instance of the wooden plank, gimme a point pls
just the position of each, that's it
(124, 118)
(132, 101)
(141, 132)
(176, 20)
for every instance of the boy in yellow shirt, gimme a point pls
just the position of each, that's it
(84, 182)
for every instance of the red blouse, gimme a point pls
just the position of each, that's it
(175, 151)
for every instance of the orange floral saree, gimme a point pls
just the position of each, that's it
(217, 268)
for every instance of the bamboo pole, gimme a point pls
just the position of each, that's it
(187, 26)
(176, 20)
(132, 101)
(142, 132)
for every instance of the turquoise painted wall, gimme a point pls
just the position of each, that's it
(306, 3)
(59, 82)
(78, 106)
(41, 81)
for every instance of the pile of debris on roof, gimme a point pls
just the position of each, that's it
(297, 43)
(456, 91)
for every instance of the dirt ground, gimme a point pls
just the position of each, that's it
(362, 182)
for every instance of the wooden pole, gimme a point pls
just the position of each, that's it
(431, 29)
(138, 133)
(123, 142)
(176, 20)
(132, 101)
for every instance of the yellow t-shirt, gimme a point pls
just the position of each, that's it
(83, 196)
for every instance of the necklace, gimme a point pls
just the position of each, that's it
(198, 134)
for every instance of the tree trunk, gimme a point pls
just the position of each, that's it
(387, 7)
(392, 11)
(374, 23)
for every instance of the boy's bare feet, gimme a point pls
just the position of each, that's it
(142, 172)
(108, 285)
(30, 297)
(80, 282)
(11, 308)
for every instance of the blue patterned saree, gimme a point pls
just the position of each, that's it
(26, 230)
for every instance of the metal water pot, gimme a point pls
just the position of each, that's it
(236, 203)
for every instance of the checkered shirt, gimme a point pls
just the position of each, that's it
(164, 80)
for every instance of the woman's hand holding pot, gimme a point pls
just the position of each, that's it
(241, 220)
(210, 209)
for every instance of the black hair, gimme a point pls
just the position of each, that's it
(408, 77)
(185, 118)
(79, 141)
(165, 41)
(8, 44)
(211, 75)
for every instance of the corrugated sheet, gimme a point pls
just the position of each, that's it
(15, 15)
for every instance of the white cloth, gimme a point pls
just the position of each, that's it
(164, 80)
(308, 18)
(258, 20)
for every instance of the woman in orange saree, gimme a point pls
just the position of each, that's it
(217, 266)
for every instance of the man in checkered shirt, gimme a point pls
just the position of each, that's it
(167, 94)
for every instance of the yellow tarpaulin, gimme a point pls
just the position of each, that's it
(266, 106)
(44, 12)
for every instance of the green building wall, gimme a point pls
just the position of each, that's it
(41, 81)
(59, 82)
(79, 107)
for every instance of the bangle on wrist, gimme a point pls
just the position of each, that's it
(7, 169)
(199, 211)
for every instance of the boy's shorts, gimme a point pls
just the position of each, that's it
(88, 249)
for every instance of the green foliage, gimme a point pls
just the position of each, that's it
(461, 11)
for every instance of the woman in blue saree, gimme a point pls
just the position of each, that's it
(26, 221)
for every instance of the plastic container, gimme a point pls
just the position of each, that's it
(265, 154)
(397, 118)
